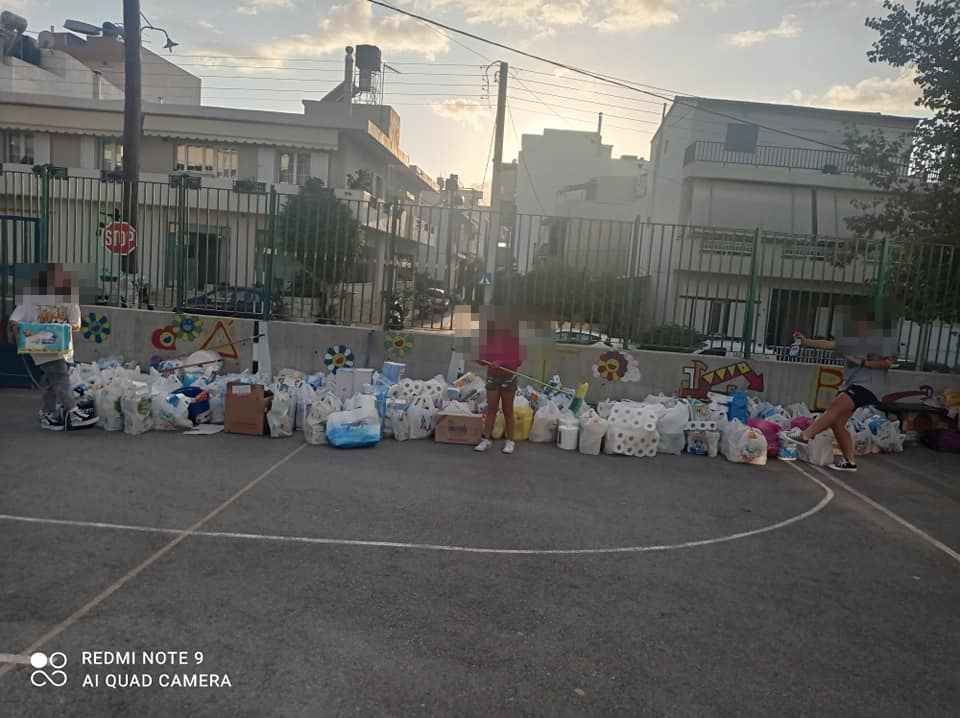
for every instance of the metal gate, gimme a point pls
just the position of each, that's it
(21, 244)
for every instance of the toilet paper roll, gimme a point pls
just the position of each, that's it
(650, 426)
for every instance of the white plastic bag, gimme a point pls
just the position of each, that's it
(136, 407)
(420, 418)
(282, 415)
(356, 427)
(315, 424)
(170, 412)
(592, 429)
(107, 402)
(751, 447)
(889, 439)
(670, 427)
(545, 423)
(305, 396)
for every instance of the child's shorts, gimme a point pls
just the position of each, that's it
(498, 380)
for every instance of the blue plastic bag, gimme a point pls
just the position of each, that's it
(353, 436)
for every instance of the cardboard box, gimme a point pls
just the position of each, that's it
(43, 338)
(245, 409)
(458, 428)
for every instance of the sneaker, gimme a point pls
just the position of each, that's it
(508, 447)
(483, 445)
(81, 418)
(52, 421)
(842, 464)
(795, 435)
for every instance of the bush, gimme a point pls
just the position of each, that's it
(670, 337)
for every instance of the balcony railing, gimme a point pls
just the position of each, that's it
(801, 158)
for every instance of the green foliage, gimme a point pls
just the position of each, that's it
(670, 337)
(320, 236)
(919, 210)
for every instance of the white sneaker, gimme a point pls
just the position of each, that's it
(508, 447)
(483, 445)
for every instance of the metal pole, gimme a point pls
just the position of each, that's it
(751, 298)
(496, 220)
(348, 81)
(132, 118)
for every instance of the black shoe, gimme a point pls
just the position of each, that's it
(81, 418)
(52, 421)
(843, 465)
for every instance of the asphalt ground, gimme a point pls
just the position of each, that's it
(419, 578)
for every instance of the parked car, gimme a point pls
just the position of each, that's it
(432, 302)
(235, 302)
(582, 338)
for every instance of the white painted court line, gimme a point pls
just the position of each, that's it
(826, 499)
(132, 573)
(895, 517)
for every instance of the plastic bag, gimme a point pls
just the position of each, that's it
(170, 412)
(818, 451)
(282, 415)
(592, 430)
(395, 421)
(889, 438)
(420, 420)
(751, 447)
(798, 409)
(703, 443)
(670, 426)
(545, 422)
(770, 433)
(354, 428)
(107, 401)
(862, 439)
(305, 397)
(737, 407)
(522, 421)
(315, 425)
(136, 407)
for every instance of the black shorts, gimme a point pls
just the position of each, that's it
(860, 396)
(499, 380)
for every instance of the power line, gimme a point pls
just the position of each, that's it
(602, 78)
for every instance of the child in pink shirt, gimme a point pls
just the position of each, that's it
(500, 352)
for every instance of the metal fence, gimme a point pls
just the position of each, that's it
(340, 256)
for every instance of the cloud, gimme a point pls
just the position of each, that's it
(788, 27)
(546, 15)
(209, 27)
(462, 110)
(253, 7)
(874, 94)
(623, 15)
(353, 23)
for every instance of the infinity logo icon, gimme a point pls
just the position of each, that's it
(57, 677)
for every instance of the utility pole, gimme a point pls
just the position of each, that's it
(496, 220)
(600, 123)
(132, 119)
(348, 80)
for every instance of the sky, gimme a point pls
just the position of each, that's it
(270, 54)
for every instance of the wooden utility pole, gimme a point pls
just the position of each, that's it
(496, 220)
(132, 119)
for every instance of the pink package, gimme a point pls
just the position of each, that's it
(800, 422)
(769, 431)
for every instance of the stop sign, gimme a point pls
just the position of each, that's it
(120, 237)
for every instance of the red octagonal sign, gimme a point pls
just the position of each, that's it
(120, 237)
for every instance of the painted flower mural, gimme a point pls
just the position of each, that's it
(397, 345)
(96, 328)
(164, 337)
(616, 366)
(187, 327)
(339, 356)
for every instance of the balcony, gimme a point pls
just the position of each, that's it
(828, 162)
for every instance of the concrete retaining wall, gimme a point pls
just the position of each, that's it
(149, 336)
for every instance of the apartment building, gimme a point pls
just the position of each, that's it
(750, 167)
(61, 104)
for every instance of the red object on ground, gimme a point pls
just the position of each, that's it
(800, 422)
(769, 431)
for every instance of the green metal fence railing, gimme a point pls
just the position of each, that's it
(243, 248)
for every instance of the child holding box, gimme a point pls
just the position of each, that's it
(52, 299)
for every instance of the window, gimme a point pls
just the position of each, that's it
(18, 147)
(110, 155)
(719, 319)
(209, 159)
(293, 167)
(741, 138)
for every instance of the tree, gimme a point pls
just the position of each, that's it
(919, 176)
(318, 238)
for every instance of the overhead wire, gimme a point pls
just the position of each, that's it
(523, 161)
(630, 85)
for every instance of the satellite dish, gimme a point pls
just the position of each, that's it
(84, 28)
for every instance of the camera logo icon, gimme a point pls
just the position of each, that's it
(56, 677)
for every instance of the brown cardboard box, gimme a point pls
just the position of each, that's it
(245, 408)
(458, 428)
